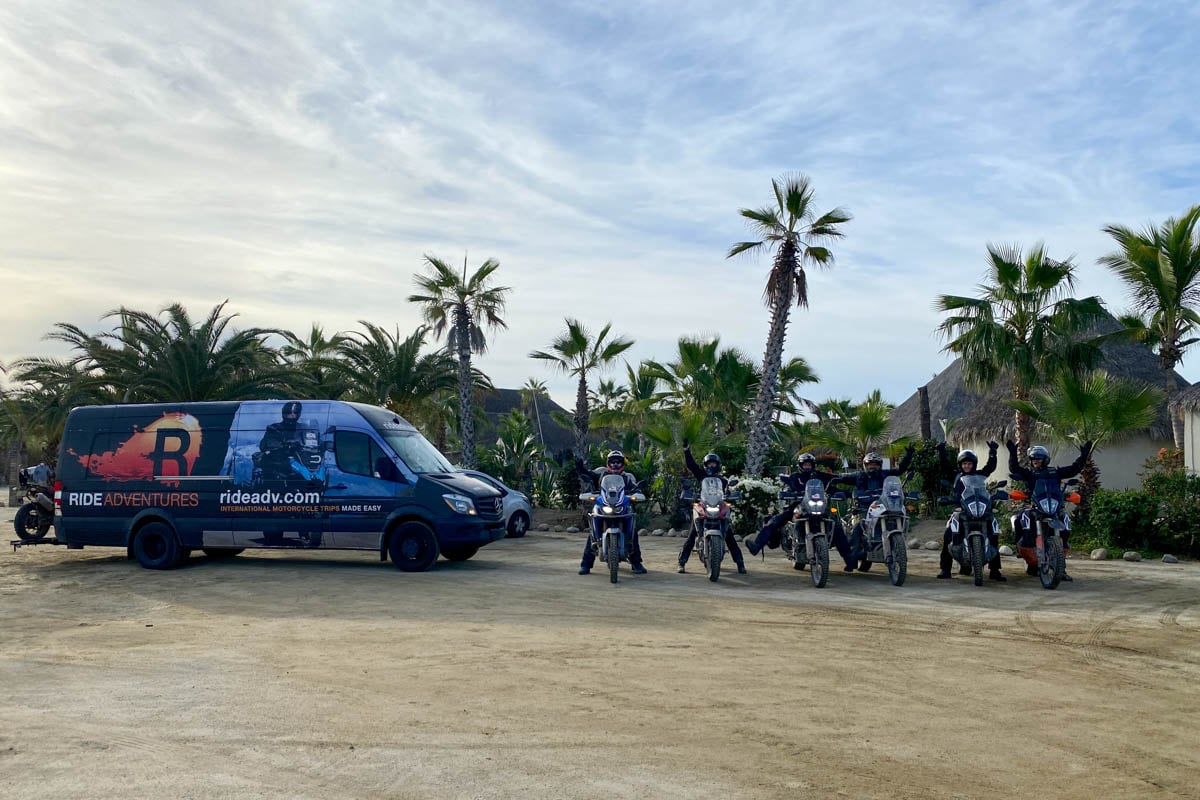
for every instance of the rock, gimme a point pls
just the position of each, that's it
(572, 529)
(1099, 554)
(545, 526)
(1132, 555)
(932, 545)
(1005, 550)
(1170, 559)
(558, 528)
(657, 532)
(643, 532)
(914, 543)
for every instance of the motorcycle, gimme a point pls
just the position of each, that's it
(711, 521)
(612, 521)
(35, 517)
(973, 526)
(1050, 517)
(807, 536)
(883, 516)
(305, 460)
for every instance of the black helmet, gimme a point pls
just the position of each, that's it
(806, 458)
(290, 412)
(872, 458)
(616, 461)
(712, 464)
(1038, 452)
(968, 456)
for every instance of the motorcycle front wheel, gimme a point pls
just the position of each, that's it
(898, 562)
(976, 548)
(716, 554)
(612, 543)
(819, 569)
(1054, 563)
(31, 523)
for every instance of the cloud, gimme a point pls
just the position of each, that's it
(299, 160)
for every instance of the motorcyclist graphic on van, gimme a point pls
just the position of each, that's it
(290, 451)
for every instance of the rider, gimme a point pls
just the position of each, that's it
(712, 469)
(806, 470)
(871, 480)
(1039, 468)
(279, 441)
(968, 464)
(614, 465)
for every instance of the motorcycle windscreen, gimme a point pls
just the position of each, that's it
(1047, 495)
(712, 492)
(892, 496)
(814, 495)
(612, 490)
(974, 497)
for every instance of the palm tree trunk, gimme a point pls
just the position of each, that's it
(581, 417)
(1174, 414)
(760, 426)
(1089, 482)
(466, 421)
(926, 422)
(1022, 424)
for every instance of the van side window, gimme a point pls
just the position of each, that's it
(358, 454)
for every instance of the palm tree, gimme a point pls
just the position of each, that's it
(857, 432)
(315, 358)
(1093, 407)
(1161, 268)
(1023, 324)
(168, 357)
(461, 307)
(576, 352)
(793, 228)
(384, 369)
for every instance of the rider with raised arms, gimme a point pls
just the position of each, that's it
(711, 469)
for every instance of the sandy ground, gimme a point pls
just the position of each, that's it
(335, 676)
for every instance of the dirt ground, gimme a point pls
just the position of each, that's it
(308, 675)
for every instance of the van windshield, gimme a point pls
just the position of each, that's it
(416, 451)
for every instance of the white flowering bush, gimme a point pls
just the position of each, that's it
(760, 497)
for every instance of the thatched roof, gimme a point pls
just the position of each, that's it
(1188, 399)
(992, 418)
(949, 398)
(499, 402)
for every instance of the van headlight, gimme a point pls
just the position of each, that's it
(460, 503)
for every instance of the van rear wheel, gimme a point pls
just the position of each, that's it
(413, 547)
(155, 546)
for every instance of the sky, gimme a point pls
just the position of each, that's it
(300, 159)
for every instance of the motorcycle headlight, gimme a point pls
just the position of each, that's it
(460, 504)
(816, 505)
(608, 509)
(977, 509)
(1049, 505)
(712, 511)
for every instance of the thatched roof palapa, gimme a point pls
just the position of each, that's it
(985, 415)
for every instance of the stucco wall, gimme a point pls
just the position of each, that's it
(1119, 462)
(1191, 440)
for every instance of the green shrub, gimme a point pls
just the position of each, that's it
(1176, 495)
(1162, 517)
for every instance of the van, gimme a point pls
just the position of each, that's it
(165, 479)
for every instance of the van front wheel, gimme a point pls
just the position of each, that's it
(413, 547)
(155, 546)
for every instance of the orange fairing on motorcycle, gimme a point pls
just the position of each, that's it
(1018, 495)
(1073, 497)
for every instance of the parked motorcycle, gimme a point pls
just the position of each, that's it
(1050, 516)
(807, 535)
(884, 518)
(35, 517)
(612, 521)
(711, 520)
(973, 526)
